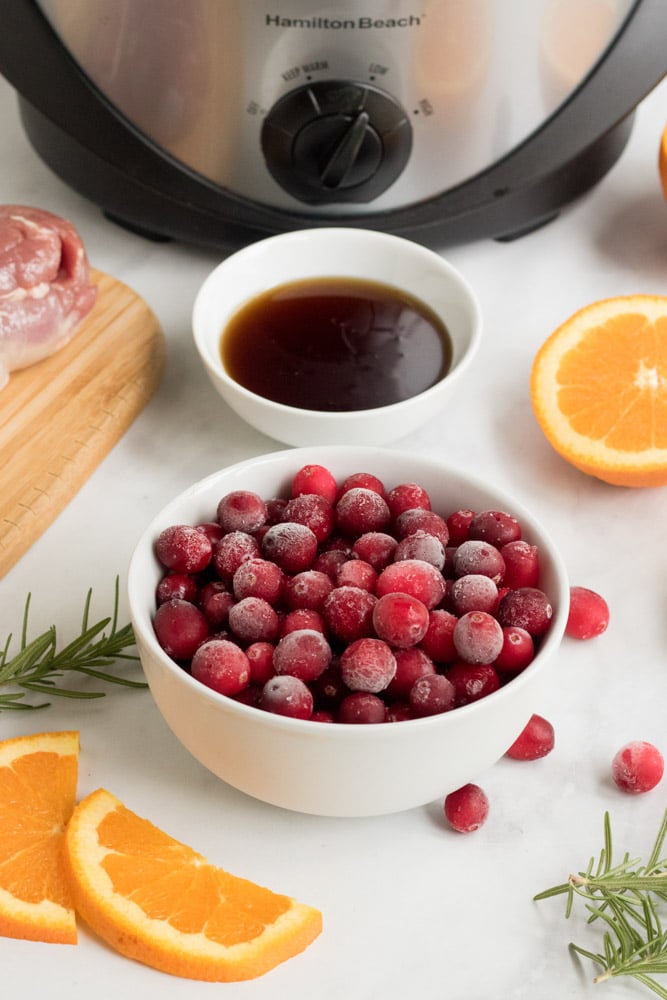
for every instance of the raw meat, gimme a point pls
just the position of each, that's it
(45, 288)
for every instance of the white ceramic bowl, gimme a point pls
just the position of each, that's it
(336, 769)
(335, 252)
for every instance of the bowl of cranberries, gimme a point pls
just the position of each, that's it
(346, 631)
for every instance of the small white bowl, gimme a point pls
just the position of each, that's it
(335, 769)
(335, 252)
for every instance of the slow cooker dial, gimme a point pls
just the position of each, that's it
(336, 141)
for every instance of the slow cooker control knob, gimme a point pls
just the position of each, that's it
(336, 141)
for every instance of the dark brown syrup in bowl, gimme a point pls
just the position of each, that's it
(335, 344)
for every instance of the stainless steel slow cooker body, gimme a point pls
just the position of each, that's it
(219, 121)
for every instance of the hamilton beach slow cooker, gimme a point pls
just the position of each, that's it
(218, 122)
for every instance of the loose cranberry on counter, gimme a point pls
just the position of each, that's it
(637, 767)
(588, 615)
(536, 740)
(467, 808)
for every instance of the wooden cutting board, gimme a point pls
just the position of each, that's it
(60, 417)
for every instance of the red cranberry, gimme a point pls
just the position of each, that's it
(180, 585)
(637, 767)
(308, 589)
(288, 696)
(376, 548)
(216, 607)
(522, 564)
(367, 665)
(222, 666)
(400, 619)
(458, 525)
(431, 694)
(478, 638)
(348, 613)
(305, 654)
(180, 627)
(362, 708)
(475, 556)
(517, 652)
(494, 526)
(398, 711)
(588, 615)
(241, 510)
(233, 549)
(321, 715)
(275, 508)
(302, 618)
(356, 573)
(260, 658)
(473, 681)
(329, 689)
(258, 578)
(252, 619)
(418, 519)
(364, 481)
(291, 545)
(212, 530)
(410, 664)
(528, 608)
(467, 808)
(414, 577)
(473, 592)
(534, 741)
(329, 562)
(183, 549)
(315, 479)
(361, 510)
(438, 642)
(312, 510)
(421, 545)
(407, 496)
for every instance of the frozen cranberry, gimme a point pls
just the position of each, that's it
(473, 592)
(241, 510)
(222, 666)
(414, 577)
(291, 545)
(287, 695)
(475, 556)
(321, 715)
(304, 654)
(431, 694)
(329, 562)
(308, 589)
(212, 530)
(180, 585)
(362, 708)
(312, 510)
(522, 564)
(275, 508)
(249, 695)
(517, 652)
(233, 549)
(258, 578)
(536, 740)
(180, 627)
(400, 619)
(407, 496)
(438, 642)
(637, 767)
(329, 689)
(260, 658)
(458, 525)
(315, 479)
(478, 638)
(348, 613)
(410, 664)
(528, 608)
(364, 481)
(356, 573)
(418, 519)
(252, 619)
(361, 510)
(473, 681)
(183, 549)
(398, 711)
(376, 548)
(367, 665)
(588, 615)
(467, 808)
(338, 543)
(494, 526)
(216, 607)
(302, 618)
(421, 545)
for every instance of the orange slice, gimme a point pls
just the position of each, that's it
(159, 902)
(662, 162)
(599, 390)
(37, 794)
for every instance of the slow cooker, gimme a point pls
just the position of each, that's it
(218, 122)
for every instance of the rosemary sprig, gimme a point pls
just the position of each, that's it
(626, 898)
(39, 664)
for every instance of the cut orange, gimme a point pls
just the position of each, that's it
(38, 777)
(662, 162)
(599, 390)
(159, 902)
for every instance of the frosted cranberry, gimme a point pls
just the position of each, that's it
(329, 562)
(348, 613)
(287, 696)
(291, 545)
(258, 578)
(231, 551)
(522, 564)
(400, 619)
(252, 619)
(180, 627)
(361, 510)
(588, 615)
(260, 658)
(362, 708)
(418, 519)
(407, 496)
(179, 585)
(473, 681)
(494, 526)
(364, 481)
(536, 740)
(212, 530)
(338, 543)
(438, 642)
(467, 808)
(414, 577)
(308, 589)
(637, 767)
(367, 665)
(473, 592)
(302, 618)
(275, 508)
(528, 608)
(431, 694)
(410, 664)
(478, 638)
(315, 479)
(421, 545)
(209, 588)
(356, 573)
(376, 548)
(304, 654)
(222, 666)
(517, 652)
(321, 715)
(241, 510)
(183, 549)
(312, 510)
(216, 607)
(458, 525)
(475, 556)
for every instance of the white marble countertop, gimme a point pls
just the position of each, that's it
(410, 908)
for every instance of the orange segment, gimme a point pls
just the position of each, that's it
(37, 794)
(159, 902)
(599, 390)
